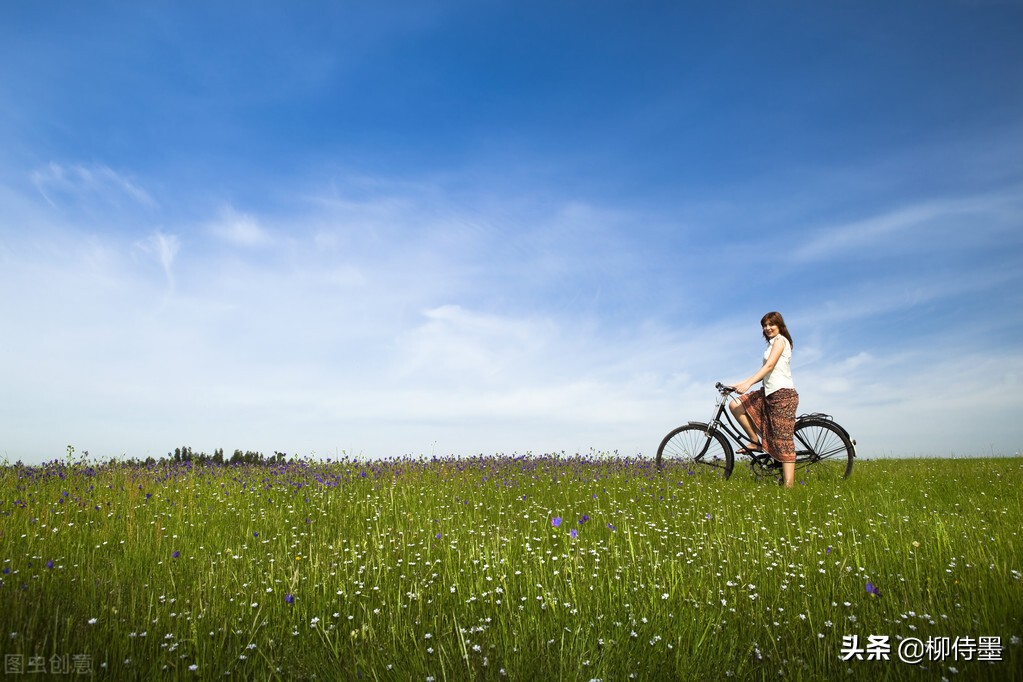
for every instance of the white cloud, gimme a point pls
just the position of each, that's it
(934, 224)
(61, 184)
(240, 228)
(407, 324)
(163, 247)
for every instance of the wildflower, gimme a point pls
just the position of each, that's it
(255, 534)
(289, 598)
(556, 521)
(583, 519)
(93, 621)
(49, 564)
(175, 554)
(872, 589)
(611, 526)
(574, 533)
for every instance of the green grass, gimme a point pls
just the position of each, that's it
(452, 569)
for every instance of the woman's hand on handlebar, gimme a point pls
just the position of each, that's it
(742, 386)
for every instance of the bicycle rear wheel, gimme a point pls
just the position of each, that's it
(693, 447)
(823, 450)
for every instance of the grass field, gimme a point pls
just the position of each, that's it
(509, 567)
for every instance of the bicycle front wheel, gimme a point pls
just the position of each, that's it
(823, 450)
(697, 449)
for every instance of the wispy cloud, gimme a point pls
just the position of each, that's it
(948, 223)
(164, 248)
(63, 184)
(358, 338)
(240, 228)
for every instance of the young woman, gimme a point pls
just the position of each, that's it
(768, 415)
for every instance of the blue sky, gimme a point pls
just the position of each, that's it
(482, 227)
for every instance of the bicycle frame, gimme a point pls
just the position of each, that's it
(728, 427)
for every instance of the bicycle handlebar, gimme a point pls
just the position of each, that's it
(724, 390)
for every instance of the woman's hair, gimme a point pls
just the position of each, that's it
(777, 320)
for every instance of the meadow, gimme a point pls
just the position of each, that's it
(553, 567)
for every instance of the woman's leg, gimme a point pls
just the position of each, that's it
(788, 473)
(739, 412)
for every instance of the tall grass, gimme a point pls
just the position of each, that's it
(502, 567)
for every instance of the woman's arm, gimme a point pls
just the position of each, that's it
(772, 359)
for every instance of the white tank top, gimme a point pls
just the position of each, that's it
(781, 375)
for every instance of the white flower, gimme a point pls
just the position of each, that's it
(93, 621)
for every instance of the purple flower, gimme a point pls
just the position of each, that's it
(611, 526)
(709, 517)
(583, 519)
(872, 589)
(556, 521)
(49, 564)
(828, 550)
(175, 554)
(255, 534)
(289, 598)
(574, 533)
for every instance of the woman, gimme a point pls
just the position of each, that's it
(768, 415)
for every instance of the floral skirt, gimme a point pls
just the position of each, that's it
(774, 418)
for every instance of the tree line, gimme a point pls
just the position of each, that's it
(186, 454)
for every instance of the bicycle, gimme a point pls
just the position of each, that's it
(824, 449)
